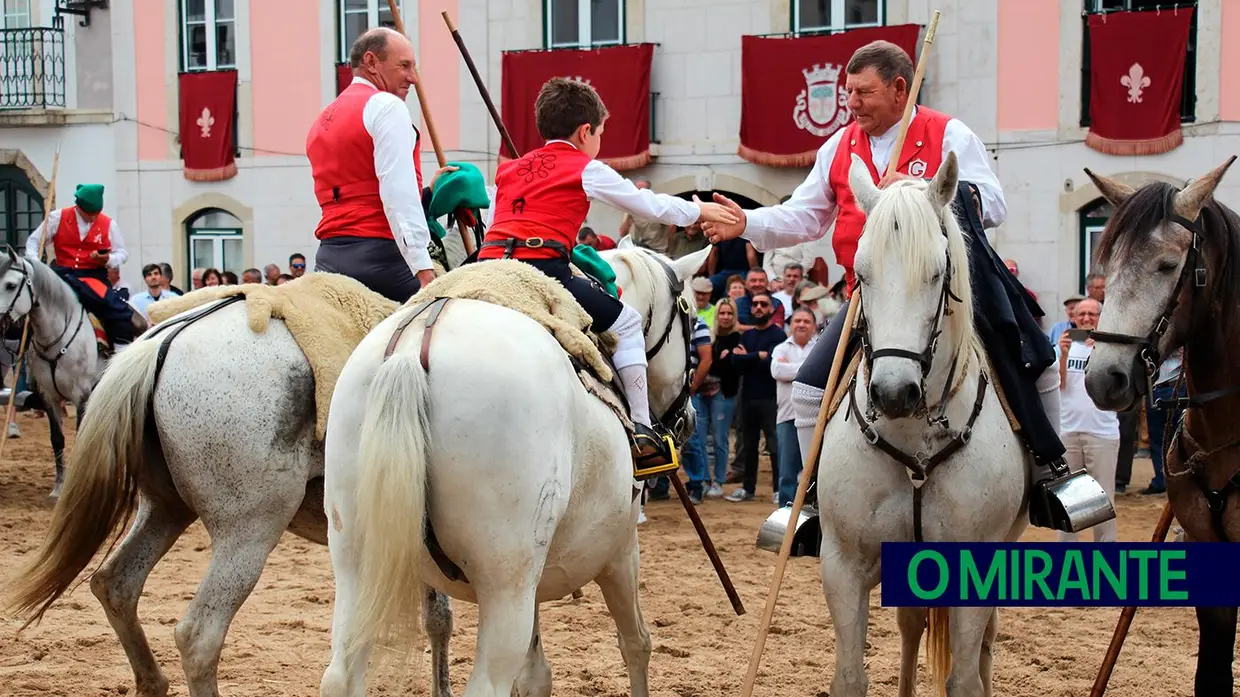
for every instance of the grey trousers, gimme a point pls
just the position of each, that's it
(375, 263)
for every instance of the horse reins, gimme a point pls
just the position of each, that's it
(922, 463)
(1149, 360)
(41, 351)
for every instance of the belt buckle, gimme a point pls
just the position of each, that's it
(534, 242)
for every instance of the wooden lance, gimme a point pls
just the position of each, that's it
(48, 206)
(811, 459)
(737, 606)
(429, 122)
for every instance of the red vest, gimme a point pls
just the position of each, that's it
(923, 147)
(539, 195)
(342, 163)
(72, 251)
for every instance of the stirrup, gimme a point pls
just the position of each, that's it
(1069, 501)
(653, 454)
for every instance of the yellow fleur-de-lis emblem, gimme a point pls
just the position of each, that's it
(205, 122)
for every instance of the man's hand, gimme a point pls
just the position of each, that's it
(1064, 343)
(740, 350)
(425, 276)
(762, 355)
(97, 256)
(715, 213)
(718, 232)
(893, 177)
(441, 170)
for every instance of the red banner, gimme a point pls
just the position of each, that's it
(344, 77)
(208, 105)
(792, 91)
(620, 74)
(1136, 80)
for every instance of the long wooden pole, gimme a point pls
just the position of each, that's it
(811, 458)
(1126, 615)
(428, 121)
(48, 205)
(482, 88)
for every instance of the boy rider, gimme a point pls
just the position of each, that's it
(541, 202)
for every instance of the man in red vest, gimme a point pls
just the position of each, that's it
(365, 157)
(84, 244)
(879, 76)
(541, 202)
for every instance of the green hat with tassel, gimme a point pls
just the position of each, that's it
(465, 188)
(89, 197)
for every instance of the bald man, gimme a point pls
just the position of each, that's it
(364, 157)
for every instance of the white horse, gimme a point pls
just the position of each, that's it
(220, 428)
(62, 356)
(910, 263)
(526, 479)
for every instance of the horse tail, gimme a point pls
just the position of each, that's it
(100, 488)
(938, 649)
(390, 505)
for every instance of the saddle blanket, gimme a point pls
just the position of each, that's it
(327, 314)
(521, 287)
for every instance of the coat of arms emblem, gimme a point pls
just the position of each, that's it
(822, 107)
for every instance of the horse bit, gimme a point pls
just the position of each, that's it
(1148, 362)
(921, 464)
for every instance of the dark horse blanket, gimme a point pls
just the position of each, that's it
(1005, 316)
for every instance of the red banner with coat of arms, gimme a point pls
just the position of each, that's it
(792, 91)
(208, 105)
(620, 75)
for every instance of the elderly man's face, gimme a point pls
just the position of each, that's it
(1087, 313)
(1097, 289)
(755, 282)
(251, 277)
(273, 272)
(1070, 308)
(702, 298)
(196, 278)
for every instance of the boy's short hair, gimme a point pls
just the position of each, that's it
(563, 105)
(146, 270)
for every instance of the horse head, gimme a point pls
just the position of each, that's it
(16, 286)
(657, 287)
(912, 275)
(1169, 256)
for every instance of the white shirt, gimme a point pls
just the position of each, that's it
(812, 209)
(117, 243)
(786, 360)
(1077, 413)
(602, 183)
(386, 119)
(144, 300)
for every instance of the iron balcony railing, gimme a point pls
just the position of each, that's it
(32, 68)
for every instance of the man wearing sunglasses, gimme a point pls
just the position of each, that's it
(758, 406)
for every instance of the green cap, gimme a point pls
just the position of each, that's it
(89, 197)
(464, 188)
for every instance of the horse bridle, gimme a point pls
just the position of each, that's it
(675, 418)
(7, 319)
(1149, 358)
(925, 358)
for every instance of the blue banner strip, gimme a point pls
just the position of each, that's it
(1060, 574)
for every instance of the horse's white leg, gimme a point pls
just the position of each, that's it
(987, 660)
(346, 675)
(505, 624)
(968, 626)
(118, 586)
(848, 600)
(239, 550)
(535, 677)
(437, 620)
(912, 622)
(618, 581)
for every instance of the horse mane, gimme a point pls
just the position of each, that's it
(48, 286)
(1152, 206)
(646, 284)
(900, 230)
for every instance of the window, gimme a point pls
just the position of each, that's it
(1093, 220)
(14, 14)
(355, 17)
(21, 206)
(836, 15)
(1188, 100)
(215, 241)
(208, 35)
(583, 23)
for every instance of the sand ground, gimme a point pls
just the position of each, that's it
(279, 642)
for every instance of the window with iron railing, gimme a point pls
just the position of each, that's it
(32, 66)
(1188, 100)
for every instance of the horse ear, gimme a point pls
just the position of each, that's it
(626, 242)
(862, 184)
(943, 187)
(1114, 192)
(1190, 201)
(12, 253)
(688, 265)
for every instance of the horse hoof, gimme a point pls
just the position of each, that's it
(55, 495)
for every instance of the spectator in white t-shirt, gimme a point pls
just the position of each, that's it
(1090, 435)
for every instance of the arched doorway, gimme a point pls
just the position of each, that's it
(215, 241)
(1092, 219)
(21, 206)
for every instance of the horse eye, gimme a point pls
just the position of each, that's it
(10, 286)
(1168, 266)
